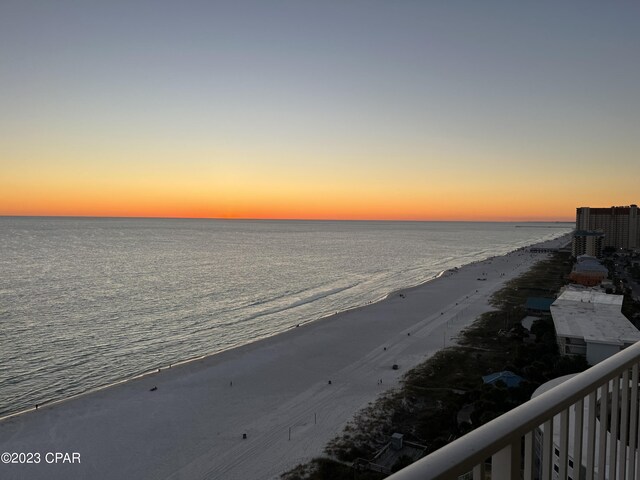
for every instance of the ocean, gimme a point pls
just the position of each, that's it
(85, 302)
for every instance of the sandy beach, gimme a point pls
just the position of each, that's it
(289, 394)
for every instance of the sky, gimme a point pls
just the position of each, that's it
(391, 110)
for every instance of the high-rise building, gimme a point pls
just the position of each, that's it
(587, 243)
(620, 225)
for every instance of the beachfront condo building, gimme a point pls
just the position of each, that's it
(620, 225)
(591, 324)
(587, 243)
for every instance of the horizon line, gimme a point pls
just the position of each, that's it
(133, 217)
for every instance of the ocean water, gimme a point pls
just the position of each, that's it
(86, 302)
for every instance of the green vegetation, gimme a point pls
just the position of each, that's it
(634, 271)
(630, 307)
(324, 469)
(425, 409)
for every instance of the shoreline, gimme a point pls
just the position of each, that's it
(304, 382)
(154, 370)
(208, 355)
(56, 401)
(189, 360)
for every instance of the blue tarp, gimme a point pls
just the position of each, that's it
(509, 378)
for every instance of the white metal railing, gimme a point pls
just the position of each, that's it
(569, 431)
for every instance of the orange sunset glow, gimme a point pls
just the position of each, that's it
(404, 123)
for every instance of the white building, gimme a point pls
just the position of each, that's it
(591, 323)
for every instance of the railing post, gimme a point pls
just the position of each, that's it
(633, 423)
(505, 464)
(479, 471)
(602, 438)
(624, 427)
(578, 434)
(591, 439)
(529, 456)
(563, 448)
(547, 450)
(613, 443)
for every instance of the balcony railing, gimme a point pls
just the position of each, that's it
(584, 428)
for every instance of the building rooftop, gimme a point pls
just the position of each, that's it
(593, 316)
(590, 264)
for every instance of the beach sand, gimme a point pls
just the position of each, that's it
(290, 393)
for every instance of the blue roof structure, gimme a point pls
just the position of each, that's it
(540, 304)
(509, 378)
(586, 263)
